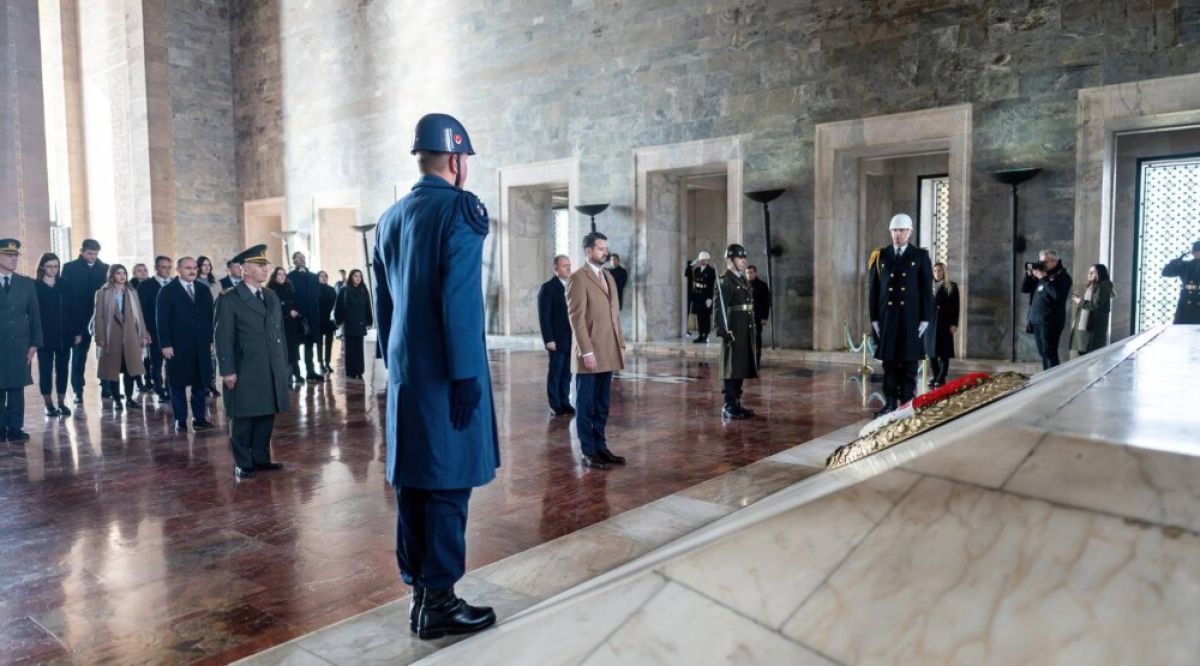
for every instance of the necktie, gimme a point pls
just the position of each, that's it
(261, 297)
(5, 283)
(191, 294)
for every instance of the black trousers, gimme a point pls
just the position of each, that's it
(154, 368)
(352, 347)
(308, 357)
(758, 329)
(250, 437)
(327, 348)
(179, 402)
(703, 318)
(1046, 336)
(939, 367)
(53, 365)
(899, 380)
(732, 391)
(12, 409)
(79, 357)
(558, 380)
(431, 536)
(592, 396)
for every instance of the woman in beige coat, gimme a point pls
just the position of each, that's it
(120, 334)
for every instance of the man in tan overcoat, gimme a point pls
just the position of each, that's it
(593, 306)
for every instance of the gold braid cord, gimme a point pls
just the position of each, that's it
(999, 386)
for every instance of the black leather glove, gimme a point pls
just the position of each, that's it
(464, 398)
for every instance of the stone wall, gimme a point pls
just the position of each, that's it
(542, 79)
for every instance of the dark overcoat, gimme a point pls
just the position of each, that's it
(901, 298)
(428, 267)
(54, 304)
(148, 296)
(293, 327)
(734, 314)
(1187, 311)
(249, 335)
(187, 327)
(83, 282)
(327, 302)
(701, 282)
(353, 311)
(939, 341)
(308, 302)
(552, 314)
(20, 329)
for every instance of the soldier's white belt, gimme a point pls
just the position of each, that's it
(741, 308)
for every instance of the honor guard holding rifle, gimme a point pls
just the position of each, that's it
(1188, 271)
(735, 326)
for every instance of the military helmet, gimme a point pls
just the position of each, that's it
(734, 251)
(441, 133)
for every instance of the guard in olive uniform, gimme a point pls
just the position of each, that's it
(252, 360)
(901, 304)
(21, 331)
(1188, 309)
(735, 327)
(442, 439)
(701, 279)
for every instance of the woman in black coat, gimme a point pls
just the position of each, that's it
(58, 335)
(353, 314)
(326, 300)
(293, 325)
(939, 339)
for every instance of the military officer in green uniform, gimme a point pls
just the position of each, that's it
(252, 359)
(735, 326)
(21, 331)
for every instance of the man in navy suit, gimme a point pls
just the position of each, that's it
(185, 335)
(148, 296)
(442, 439)
(556, 335)
(308, 302)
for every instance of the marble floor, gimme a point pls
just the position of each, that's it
(127, 543)
(1059, 525)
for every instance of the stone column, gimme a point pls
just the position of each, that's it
(24, 197)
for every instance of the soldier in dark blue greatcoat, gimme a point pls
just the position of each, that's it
(442, 439)
(901, 304)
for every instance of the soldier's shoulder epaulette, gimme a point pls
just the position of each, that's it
(474, 212)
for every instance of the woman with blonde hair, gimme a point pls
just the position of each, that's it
(120, 335)
(939, 336)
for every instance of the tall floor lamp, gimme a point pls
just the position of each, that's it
(1013, 178)
(765, 197)
(364, 229)
(592, 210)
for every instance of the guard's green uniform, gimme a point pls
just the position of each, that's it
(735, 326)
(20, 329)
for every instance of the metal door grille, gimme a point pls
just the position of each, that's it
(941, 219)
(1168, 223)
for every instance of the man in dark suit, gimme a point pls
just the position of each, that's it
(1049, 285)
(21, 330)
(148, 295)
(308, 302)
(233, 275)
(556, 335)
(762, 307)
(901, 304)
(442, 439)
(620, 276)
(185, 334)
(253, 364)
(84, 276)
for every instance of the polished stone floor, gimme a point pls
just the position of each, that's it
(124, 542)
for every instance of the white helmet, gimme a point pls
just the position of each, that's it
(900, 221)
(703, 256)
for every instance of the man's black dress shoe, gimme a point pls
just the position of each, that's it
(17, 435)
(612, 458)
(201, 426)
(51, 410)
(79, 398)
(595, 462)
(887, 409)
(732, 413)
(270, 467)
(557, 412)
(62, 409)
(132, 404)
(569, 409)
(439, 612)
(243, 473)
(181, 426)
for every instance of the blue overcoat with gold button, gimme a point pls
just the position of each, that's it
(428, 265)
(901, 298)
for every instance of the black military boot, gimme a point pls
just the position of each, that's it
(889, 406)
(732, 411)
(439, 612)
(745, 410)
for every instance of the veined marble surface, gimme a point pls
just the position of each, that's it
(1060, 525)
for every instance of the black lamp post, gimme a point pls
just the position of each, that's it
(1013, 178)
(592, 210)
(363, 229)
(765, 197)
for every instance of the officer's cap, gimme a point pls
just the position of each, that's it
(254, 255)
(900, 221)
(10, 246)
(441, 133)
(735, 251)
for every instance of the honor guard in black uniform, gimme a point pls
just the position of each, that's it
(1188, 271)
(735, 327)
(701, 278)
(901, 305)
(21, 331)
